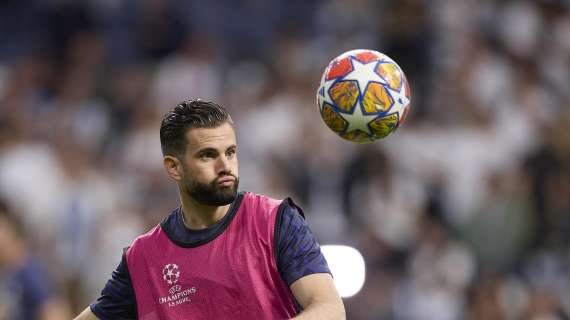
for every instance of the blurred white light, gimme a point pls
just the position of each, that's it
(347, 267)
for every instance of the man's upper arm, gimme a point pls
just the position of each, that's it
(304, 268)
(298, 252)
(318, 286)
(317, 294)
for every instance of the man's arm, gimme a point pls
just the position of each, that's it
(303, 267)
(87, 314)
(318, 296)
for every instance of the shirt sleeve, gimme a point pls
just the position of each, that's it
(298, 252)
(117, 300)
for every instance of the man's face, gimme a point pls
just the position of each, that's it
(210, 165)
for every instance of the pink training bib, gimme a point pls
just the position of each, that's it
(234, 276)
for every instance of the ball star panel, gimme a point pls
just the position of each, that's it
(344, 95)
(333, 119)
(376, 99)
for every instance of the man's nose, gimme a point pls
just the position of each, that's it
(224, 165)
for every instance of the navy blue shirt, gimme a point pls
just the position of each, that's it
(298, 254)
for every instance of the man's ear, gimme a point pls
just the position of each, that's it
(173, 167)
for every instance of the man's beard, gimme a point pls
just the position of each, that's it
(212, 194)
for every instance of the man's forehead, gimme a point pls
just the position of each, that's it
(218, 137)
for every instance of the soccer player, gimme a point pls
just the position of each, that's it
(222, 254)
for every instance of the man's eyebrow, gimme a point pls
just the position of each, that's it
(205, 150)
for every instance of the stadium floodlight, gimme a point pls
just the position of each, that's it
(347, 267)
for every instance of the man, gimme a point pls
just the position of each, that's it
(221, 254)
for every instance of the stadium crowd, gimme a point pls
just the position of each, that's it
(463, 213)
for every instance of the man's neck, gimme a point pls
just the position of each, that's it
(199, 216)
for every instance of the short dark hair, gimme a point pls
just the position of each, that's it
(187, 115)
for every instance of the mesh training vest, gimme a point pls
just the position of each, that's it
(233, 276)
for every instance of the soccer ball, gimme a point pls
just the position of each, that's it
(363, 96)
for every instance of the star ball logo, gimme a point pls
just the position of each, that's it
(177, 293)
(171, 273)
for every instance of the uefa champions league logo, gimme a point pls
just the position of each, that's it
(171, 273)
(177, 293)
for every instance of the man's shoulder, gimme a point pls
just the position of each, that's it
(149, 235)
(253, 197)
(260, 203)
(144, 239)
(282, 207)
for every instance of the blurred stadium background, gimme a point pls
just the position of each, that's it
(464, 213)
